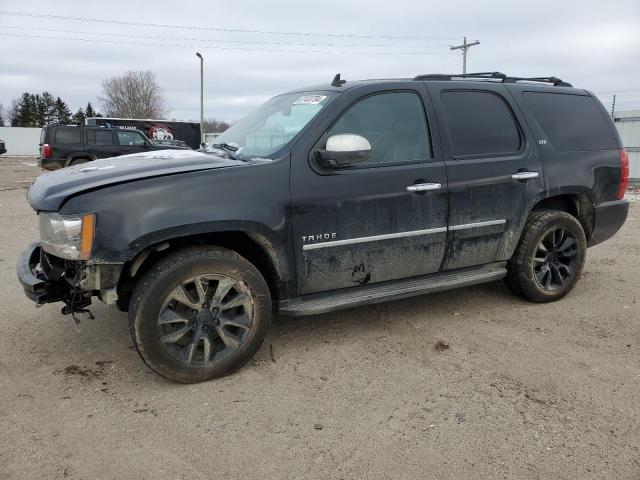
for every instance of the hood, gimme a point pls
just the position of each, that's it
(50, 190)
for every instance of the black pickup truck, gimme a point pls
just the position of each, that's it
(329, 197)
(66, 145)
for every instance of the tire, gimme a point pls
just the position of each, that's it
(78, 161)
(182, 337)
(549, 258)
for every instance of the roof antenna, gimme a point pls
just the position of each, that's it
(337, 82)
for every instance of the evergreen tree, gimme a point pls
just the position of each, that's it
(46, 109)
(2, 121)
(90, 112)
(78, 117)
(35, 110)
(13, 113)
(62, 113)
(25, 111)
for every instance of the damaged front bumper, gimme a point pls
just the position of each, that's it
(46, 279)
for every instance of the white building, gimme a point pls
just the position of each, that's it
(628, 124)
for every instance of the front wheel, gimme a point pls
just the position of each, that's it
(549, 258)
(199, 314)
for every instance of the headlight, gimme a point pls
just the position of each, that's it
(67, 236)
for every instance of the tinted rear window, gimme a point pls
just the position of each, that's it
(99, 137)
(571, 122)
(68, 135)
(480, 123)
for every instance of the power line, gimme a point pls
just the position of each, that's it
(243, 42)
(116, 42)
(220, 29)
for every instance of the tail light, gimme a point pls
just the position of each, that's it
(45, 151)
(624, 174)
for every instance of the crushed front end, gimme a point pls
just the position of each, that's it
(47, 278)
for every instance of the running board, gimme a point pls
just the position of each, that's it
(391, 290)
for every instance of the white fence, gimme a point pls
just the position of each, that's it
(21, 141)
(628, 124)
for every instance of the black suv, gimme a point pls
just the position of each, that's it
(66, 145)
(329, 197)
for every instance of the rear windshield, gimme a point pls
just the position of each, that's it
(572, 122)
(68, 135)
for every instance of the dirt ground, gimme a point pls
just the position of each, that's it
(522, 391)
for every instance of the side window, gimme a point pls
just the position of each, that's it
(571, 122)
(69, 135)
(127, 137)
(393, 123)
(480, 123)
(99, 137)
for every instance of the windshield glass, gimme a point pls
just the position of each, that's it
(274, 124)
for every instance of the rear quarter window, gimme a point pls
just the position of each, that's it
(571, 122)
(68, 136)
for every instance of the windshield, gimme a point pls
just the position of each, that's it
(274, 124)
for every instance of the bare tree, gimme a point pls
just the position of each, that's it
(133, 95)
(211, 125)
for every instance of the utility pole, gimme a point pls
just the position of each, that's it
(613, 107)
(201, 97)
(465, 48)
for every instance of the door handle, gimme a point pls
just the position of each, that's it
(525, 175)
(423, 187)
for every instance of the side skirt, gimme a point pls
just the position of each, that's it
(391, 290)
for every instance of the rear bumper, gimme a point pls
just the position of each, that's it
(51, 163)
(609, 218)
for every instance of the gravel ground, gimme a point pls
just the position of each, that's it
(515, 390)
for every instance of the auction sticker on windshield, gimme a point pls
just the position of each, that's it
(310, 100)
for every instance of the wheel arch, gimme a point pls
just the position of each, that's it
(78, 155)
(264, 252)
(577, 204)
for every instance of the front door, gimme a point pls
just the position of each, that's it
(131, 141)
(494, 172)
(383, 219)
(100, 142)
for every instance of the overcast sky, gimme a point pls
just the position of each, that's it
(592, 44)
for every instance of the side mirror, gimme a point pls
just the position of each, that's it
(344, 150)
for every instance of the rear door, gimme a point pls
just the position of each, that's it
(380, 220)
(494, 171)
(130, 141)
(101, 142)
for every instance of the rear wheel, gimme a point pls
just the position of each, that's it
(199, 314)
(78, 161)
(549, 258)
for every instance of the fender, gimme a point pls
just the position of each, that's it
(132, 216)
(72, 156)
(270, 242)
(586, 216)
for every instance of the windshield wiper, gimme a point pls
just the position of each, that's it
(229, 149)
